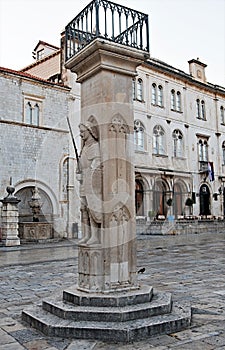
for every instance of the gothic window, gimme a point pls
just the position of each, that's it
(160, 96)
(203, 150)
(28, 111)
(139, 90)
(158, 140)
(139, 136)
(178, 100)
(35, 119)
(203, 109)
(177, 143)
(157, 95)
(222, 115)
(154, 94)
(32, 110)
(172, 100)
(175, 100)
(200, 109)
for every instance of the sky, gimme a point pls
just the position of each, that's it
(180, 30)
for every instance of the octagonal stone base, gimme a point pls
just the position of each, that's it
(117, 317)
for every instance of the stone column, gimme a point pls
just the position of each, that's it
(107, 250)
(10, 219)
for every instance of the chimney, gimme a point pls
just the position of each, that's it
(197, 70)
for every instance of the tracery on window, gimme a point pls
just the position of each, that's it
(177, 143)
(139, 136)
(158, 140)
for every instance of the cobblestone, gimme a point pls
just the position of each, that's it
(191, 267)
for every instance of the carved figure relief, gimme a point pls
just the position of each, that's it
(90, 177)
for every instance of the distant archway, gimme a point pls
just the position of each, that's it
(159, 198)
(139, 197)
(177, 206)
(204, 200)
(25, 213)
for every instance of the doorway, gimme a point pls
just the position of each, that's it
(204, 200)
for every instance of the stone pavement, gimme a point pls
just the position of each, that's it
(190, 266)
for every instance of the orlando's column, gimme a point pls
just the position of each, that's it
(107, 250)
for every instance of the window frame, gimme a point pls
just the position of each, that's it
(35, 118)
(159, 140)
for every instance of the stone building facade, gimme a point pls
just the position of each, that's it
(179, 139)
(180, 142)
(35, 149)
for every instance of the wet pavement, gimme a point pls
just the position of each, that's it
(190, 266)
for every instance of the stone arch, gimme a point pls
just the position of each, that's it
(25, 212)
(160, 189)
(204, 199)
(30, 183)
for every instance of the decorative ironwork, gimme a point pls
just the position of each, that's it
(109, 21)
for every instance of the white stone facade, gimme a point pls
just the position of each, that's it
(179, 131)
(35, 147)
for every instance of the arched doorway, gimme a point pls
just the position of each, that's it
(204, 200)
(35, 225)
(177, 203)
(159, 199)
(25, 213)
(139, 197)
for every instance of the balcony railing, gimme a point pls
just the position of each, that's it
(109, 21)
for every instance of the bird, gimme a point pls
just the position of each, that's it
(142, 270)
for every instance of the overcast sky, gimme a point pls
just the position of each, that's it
(179, 30)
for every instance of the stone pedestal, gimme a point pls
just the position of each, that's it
(105, 71)
(10, 221)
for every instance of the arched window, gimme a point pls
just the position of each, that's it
(139, 132)
(203, 110)
(222, 115)
(28, 119)
(203, 150)
(154, 94)
(178, 101)
(223, 152)
(140, 89)
(175, 100)
(157, 95)
(172, 100)
(177, 143)
(35, 119)
(158, 140)
(198, 110)
(160, 96)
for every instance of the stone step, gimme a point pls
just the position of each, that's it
(161, 303)
(138, 295)
(51, 325)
